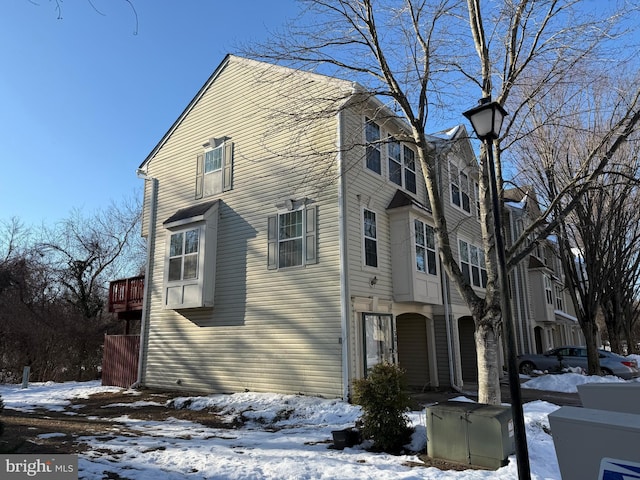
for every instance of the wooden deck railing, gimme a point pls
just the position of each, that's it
(126, 295)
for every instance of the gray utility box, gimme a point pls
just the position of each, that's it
(470, 433)
(616, 397)
(584, 436)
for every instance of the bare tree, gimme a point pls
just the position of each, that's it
(620, 290)
(416, 56)
(579, 155)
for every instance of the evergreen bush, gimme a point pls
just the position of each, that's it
(384, 401)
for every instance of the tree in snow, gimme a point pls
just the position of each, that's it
(417, 56)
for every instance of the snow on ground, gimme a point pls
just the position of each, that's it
(283, 437)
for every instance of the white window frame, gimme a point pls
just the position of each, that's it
(369, 237)
(472, 262)
(548, 289)
(397, 153)
(196, 290)
(279, 237)
(189, 251)
(373, 145)
(559, 298)
(214, 177)
(459, 186)
(425, 249)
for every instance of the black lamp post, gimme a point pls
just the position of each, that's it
(486, 120)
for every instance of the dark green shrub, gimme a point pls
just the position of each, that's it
(384, 401)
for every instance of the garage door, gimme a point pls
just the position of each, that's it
(412, 349)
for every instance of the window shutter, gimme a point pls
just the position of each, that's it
(272, 235)
(199, 175)
(311, 236)
(227, 168)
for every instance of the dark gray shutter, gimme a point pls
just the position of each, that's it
(199, 175)
(272, 235)
(311, 235)
(227, 167)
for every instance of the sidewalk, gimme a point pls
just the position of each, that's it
(471, 391)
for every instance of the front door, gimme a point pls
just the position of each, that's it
(379, 339)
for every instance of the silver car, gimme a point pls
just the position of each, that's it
(558, 359)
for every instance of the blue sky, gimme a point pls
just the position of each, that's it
(84, 99)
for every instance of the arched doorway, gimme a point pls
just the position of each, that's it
(413, 355)
(468, 356)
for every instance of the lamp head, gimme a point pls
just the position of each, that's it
(486, 119)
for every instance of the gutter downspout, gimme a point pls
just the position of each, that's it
(344, 284)
(147, 274)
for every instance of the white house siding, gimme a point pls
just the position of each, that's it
(269, 330)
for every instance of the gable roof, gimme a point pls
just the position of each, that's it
(228, 59)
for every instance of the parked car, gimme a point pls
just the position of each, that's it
(558, 359)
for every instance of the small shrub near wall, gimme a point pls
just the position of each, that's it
(385, 403)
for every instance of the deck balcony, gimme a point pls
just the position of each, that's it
(126, 296)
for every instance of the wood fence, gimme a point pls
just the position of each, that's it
(120, 360)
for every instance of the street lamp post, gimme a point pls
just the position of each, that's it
(486, 120)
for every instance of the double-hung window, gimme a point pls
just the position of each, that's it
(459, 188)
(373, 155)
(548, 289)
(402, 165)
(559, 298)
(472, 264)
(183, 255)
(425, 248)
(214, 167)
(370, 238)
(292, 238)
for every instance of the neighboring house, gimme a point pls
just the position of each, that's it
(291, 249)
(543, 312)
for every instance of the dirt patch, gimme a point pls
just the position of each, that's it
(45, 431)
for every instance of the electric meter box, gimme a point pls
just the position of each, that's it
(470, 433)
(583, 437)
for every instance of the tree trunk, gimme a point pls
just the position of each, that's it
(487, 348)
(590, 330)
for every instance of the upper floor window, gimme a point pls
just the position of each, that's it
(370, 239)
(425, 248)
(402, 165)
(214, 167)
(548, 289)
(472, 264)
(292, 238)
(459, 188)
(559, 299)
(372, 137)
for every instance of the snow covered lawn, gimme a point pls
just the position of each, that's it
(273, 437)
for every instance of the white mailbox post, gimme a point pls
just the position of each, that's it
(583, 437)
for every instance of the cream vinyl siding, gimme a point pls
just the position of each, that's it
(276, 331)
